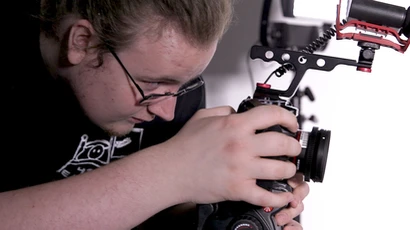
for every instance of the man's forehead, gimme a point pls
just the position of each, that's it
(165, 66)
(167, 58)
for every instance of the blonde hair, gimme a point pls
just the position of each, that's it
(118, 23)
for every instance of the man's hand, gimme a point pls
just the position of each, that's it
(300, 191)
(218, 156)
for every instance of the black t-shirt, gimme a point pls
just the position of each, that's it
(46, 136)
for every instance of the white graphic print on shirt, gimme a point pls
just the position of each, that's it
(92, 154)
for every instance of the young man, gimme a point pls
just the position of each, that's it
(106, 125)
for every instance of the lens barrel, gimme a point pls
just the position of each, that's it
(311, 162)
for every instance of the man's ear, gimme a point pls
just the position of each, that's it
(79, 40)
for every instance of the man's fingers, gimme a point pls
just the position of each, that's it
(296, 180)
(273, 143)
(293, 225)
(265, 116)
(262, 197)
(287, 214)
(271, 169)
(300, 189)
(269, 115)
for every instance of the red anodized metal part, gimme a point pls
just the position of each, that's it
(401, 45)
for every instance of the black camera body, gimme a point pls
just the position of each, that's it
(241, 215)
(311, 162)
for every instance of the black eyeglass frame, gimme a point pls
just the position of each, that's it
(197, 82)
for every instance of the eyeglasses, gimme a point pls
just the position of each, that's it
(154, 98)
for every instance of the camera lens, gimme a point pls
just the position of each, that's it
(313, 157)
(245, 222)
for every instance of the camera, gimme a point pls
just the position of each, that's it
(311, 162)
(374, 21)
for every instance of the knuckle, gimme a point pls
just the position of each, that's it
(274, 111)
(285, 114)
(275, 199)
(278, 111)
(232, 146)
(231, 121)
(226, 110)
(259, 199)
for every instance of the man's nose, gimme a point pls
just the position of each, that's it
(164, 109)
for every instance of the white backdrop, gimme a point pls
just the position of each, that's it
(366, 184)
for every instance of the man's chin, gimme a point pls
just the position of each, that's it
(118, 130)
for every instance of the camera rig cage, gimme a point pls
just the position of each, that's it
(373, 23)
